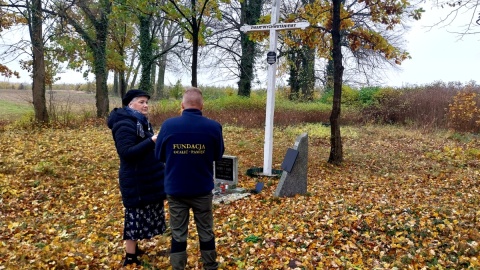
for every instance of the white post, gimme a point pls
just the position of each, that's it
(273, 27)
(272, 70)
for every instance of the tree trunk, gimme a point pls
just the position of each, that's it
(135, 74)
(307, 73)
(195, 42)
(247, 60)
(293, 80)
(329, 75)
(336, 150)
(195, 54)
(100, 64)
(161, 76)
(132, 62)
(101, 95)
(115, 90)
(146, 53)
(250, 12)
(302, 73)
(122, 83)
(38, 85)
(153, 75)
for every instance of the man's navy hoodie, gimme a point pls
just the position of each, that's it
(141, 174)
(189, 144)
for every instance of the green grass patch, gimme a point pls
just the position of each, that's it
(10, 110)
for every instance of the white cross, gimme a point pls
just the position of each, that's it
(273, 27)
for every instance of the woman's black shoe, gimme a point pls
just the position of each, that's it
(138, 251)
(131, 259)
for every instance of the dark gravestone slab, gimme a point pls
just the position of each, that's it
(295, 181)
(289, 160)
(226, 171)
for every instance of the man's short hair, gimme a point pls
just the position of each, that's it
(193, 89)
(193, 97)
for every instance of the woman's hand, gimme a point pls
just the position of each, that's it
(154, 138)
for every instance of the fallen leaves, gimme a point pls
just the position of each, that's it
(402, 199)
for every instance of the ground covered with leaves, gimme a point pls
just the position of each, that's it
(403, 199)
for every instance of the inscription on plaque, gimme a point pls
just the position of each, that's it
(226, 170)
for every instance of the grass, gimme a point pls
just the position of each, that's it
(10, 110)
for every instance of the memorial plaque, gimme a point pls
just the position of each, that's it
(226, 170)
(271, 58)
(289, 159)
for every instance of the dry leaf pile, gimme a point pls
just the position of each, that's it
(403, 199)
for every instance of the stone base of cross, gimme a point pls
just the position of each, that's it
(273, 27)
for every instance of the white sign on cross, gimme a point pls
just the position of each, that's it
(273, 27)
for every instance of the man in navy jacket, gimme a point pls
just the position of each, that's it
(189, 144)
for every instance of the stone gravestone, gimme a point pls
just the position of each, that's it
(295, 169)
(226, 171)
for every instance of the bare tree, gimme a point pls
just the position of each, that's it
(193, 16)
(231, 51)
(33, 16)
(469, 9)
(171, 38)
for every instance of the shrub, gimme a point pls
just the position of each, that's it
(463, 113)
(427, 106)
(366, 95)
(387, 107)
(350, 96)
(88, 87)
(327, 96)
(176, 91)
(230, 91)
(214, 92)
(25, 121)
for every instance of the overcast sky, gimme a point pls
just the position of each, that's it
(437, 55)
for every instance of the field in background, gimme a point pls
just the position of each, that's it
(436, 106)
(227, 109)
(18, 104)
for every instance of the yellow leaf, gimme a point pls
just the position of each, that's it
(13, 225)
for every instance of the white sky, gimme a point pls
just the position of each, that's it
(437, 55)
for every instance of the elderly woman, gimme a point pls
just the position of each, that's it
(140, 175)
